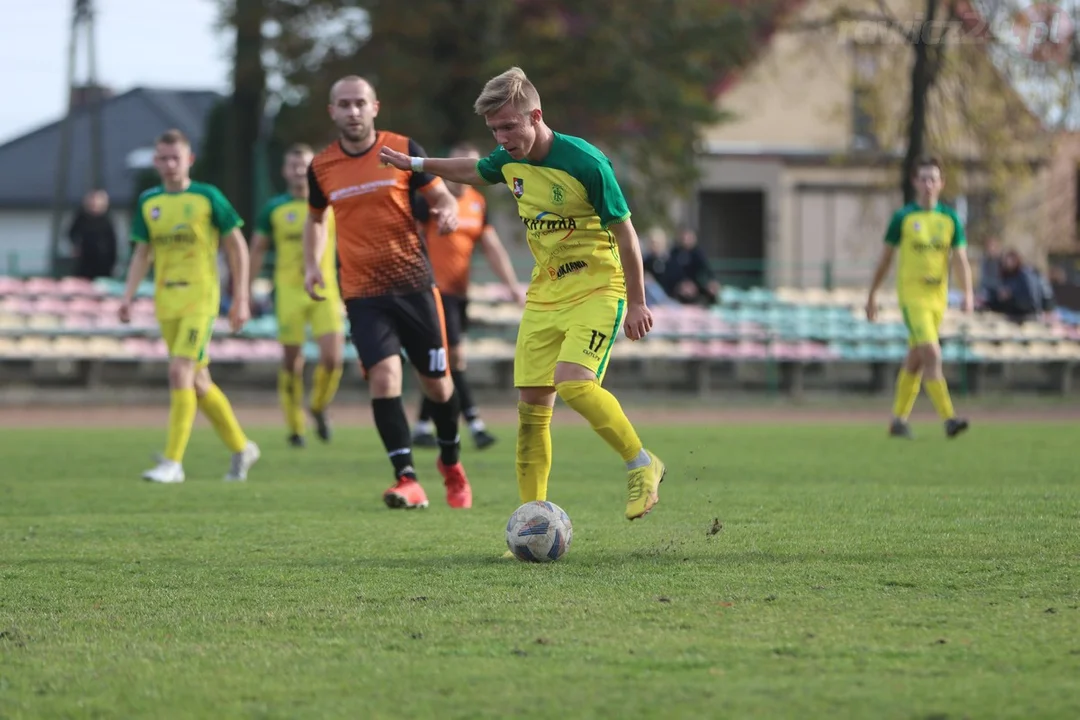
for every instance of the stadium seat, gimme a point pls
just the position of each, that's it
(77, 287)
(11, 321)
(43, 322)
(34, 346)
(40, 286)
(10, 285)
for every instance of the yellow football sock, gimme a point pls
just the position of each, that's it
(219, 412)
(291, 394)
(325, 387)
(533, 451)
(604, 413)
(907, 390)
(938, 391)
(181, 418)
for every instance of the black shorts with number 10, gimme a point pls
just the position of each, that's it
(384, 325)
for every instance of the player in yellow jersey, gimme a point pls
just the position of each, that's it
(924, 236)
(281, 223)
(588, 282)
(181, 223)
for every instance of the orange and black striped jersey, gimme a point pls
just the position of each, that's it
(451, 254)
(379, 249)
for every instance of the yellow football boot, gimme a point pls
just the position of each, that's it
(643, 486)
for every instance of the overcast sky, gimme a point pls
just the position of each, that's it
(158, 43)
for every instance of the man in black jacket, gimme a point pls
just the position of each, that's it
(93, 237)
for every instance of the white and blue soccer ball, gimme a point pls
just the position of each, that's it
(539, 532)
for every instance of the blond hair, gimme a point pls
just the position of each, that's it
(511, 86)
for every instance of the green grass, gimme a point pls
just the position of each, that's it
(854, 577)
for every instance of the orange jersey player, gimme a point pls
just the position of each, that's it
(451, 258)
(386, 281)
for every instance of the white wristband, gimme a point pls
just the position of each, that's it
(417, 164)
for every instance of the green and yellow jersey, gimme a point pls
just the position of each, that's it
(282, 221)
(184, 230)
(924, 240)
(567, 202)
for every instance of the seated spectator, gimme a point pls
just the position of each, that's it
(686, 275)
(93, 237)
(655, 263)
(1022, 294)
(989, 273)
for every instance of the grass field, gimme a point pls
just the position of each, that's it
(853, 577)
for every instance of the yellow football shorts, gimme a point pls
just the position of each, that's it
(582, 334)
(189, 337)
(923, 323)
(295, 311)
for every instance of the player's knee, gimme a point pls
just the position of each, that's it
(543, 396)
(439, 389)
(572, 372)
(331, 353)
(202, 381)
(181, 373)
(384, 378)
(292, 359)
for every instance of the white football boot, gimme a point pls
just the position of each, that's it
(166, 471)
(242, 462)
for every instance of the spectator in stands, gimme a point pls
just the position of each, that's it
(989, 273)
(1022, 293)
(93, 237)
(687, 276)
(655, 264)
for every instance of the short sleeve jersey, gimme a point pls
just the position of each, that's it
(567, 203)
(184, 231)
(379, 248)
(924, 240)
(451, 254)
(282, 221)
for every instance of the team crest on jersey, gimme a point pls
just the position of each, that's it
(155, 213)
(916, 226)
(558, 195)
(476, 207)
(519, 187)
(290, 217)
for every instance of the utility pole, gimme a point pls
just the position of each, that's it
(82, 23)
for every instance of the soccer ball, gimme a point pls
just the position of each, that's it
(539, 532)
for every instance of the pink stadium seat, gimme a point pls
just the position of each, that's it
(749, 350)
(144, 349)
(721, 350)
(51, 306)
(109, 306)
(106, 321)
(40, 286)
(84, 323)
(75, 286)
(783, 351)
(19, 305)
(268, 349)
(84, 306)
(10, 285)
(749, 330)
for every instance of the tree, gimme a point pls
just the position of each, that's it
(634, 78)
(954, 64)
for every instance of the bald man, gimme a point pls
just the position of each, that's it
(386, 281)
